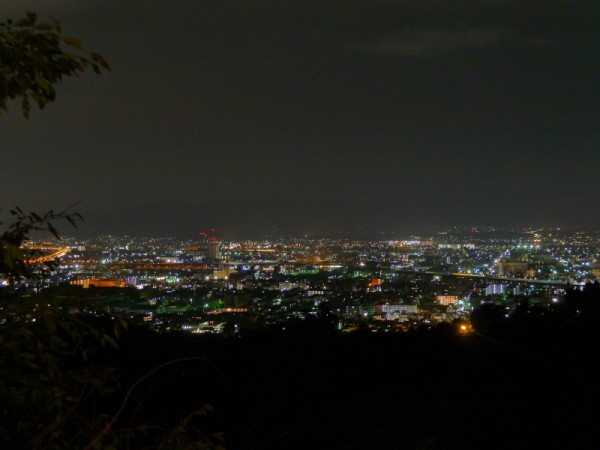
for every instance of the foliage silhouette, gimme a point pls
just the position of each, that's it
(14, 258)
(35, 56)
(55, 379)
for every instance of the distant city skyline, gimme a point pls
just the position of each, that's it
(250, 220)
(316, 117)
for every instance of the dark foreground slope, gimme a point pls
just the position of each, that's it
(523, 387)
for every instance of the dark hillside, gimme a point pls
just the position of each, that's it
(427, 389)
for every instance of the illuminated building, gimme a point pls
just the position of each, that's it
(213, 244)
(213, 249)
(447, 299)
(223, 273)
(494, 289)
(596, 269)
(375, 285)
(512, 268)
(392, 308)
(99, 282)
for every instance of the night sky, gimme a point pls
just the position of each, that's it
(260, 117)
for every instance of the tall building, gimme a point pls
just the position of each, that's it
(212, 244)
(213, 248)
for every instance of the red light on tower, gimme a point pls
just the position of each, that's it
(210, 235)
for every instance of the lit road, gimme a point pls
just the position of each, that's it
(487, 277)
(57, 253)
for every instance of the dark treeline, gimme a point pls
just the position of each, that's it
(526, 382)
